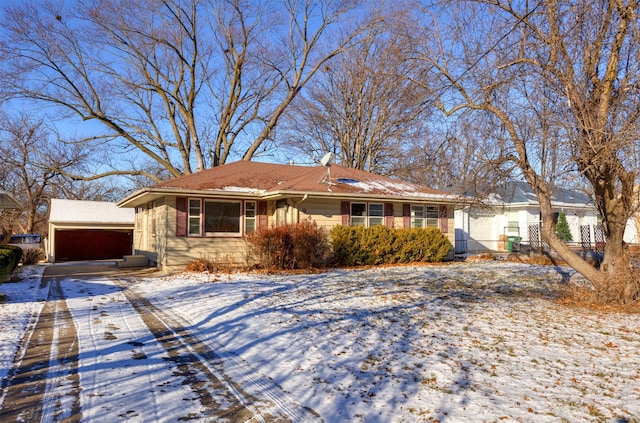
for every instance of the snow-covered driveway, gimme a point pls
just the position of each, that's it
(101, 353)
(459, 342)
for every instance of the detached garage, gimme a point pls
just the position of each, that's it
(88, 230)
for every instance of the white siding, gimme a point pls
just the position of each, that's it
(483, 233)
(631, 232)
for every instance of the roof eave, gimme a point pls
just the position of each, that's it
(437, 198)
(146, 195)
(8, 201)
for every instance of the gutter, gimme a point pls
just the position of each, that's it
(295, 204)
(148, 194)
(435, 198)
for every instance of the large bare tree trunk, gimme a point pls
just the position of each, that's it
(558, 82)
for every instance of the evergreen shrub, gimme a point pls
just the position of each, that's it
(358, 246)
(296, 246)
(10, 256)
(562, 228)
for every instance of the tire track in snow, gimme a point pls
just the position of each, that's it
(47, 373)
(190, 353)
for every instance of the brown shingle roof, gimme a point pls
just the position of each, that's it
(267, 180)
(266, 177)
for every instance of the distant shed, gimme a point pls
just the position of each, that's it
(88, 230)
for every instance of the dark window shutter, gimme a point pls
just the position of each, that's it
(345, 208)
(263, 219)
(443, 220)
(181, 216)
(406, 215)
(388, 215)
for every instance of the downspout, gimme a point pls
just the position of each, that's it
(296, 207)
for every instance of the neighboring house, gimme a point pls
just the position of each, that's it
(209, 213)
(8, 201)
(88, 230)
(24, 241)
(632, 231)
(514, 212)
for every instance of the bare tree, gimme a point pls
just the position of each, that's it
(559, 81)
(31, 162)
(363, 106)
(185, 83)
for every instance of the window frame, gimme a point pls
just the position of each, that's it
(194, 217)
(430, 216)
(365, 218)
(434, 220)
(360, 217)
(207, 234)
(378, 218)
(248, 218)
(415, 219)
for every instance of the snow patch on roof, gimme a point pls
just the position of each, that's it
(244, 189)
(78, 211)
(397, 188)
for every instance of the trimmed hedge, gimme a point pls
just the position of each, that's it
(10, 256)
(358, 246)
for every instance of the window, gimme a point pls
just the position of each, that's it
(417, 216)
(358, 214)
(513, 222)
(194, 218)
(222, 217)
(376, 214)
(422, 216)
(249, 216)
(363, 214)
(432, 216)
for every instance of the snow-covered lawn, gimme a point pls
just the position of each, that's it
(477, 341)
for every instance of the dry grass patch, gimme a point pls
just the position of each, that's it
(588, 298)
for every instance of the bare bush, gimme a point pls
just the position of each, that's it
(32, 256)
(299, 246)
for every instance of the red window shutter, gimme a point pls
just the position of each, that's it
(388, 215)
(443, 220)
(345, 208)
(181, 216)
(263, 219)
(406, 216)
